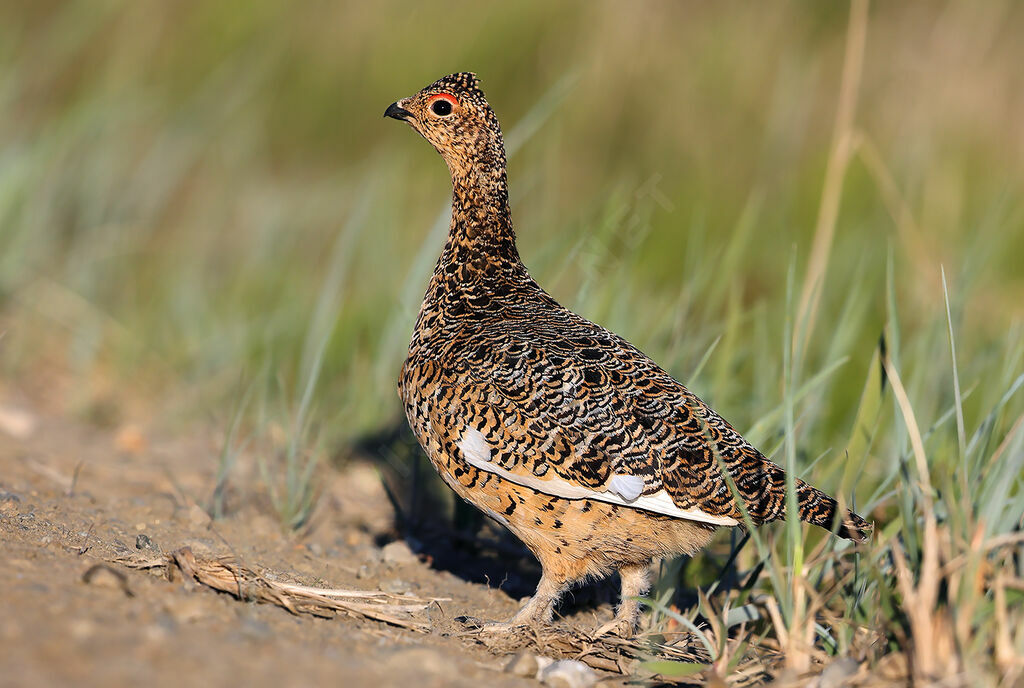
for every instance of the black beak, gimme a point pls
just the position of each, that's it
(396, 112)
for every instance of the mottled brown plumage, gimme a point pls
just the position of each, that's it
(581, 445)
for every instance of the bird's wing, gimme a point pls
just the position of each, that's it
(570, 409)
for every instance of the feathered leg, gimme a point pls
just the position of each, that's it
(636, 581)
(538, 610)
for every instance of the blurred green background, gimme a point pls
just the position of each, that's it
(198, 195)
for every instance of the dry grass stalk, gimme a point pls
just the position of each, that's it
(919, 601)
(835, 172)
(227, 575)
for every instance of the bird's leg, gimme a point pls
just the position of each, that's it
(538, 610)
(636, 580)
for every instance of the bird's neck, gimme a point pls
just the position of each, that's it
(481, 228)
(479, 266)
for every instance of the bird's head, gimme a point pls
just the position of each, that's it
(453, 115)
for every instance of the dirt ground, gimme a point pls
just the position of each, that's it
(82, 507)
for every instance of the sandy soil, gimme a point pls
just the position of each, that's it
(73, 496)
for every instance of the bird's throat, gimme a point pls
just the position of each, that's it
(481, 225)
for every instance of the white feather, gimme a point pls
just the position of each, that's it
(474, 446)
(629, 487)
(660, 502)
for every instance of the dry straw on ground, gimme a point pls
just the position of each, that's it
(227, 575)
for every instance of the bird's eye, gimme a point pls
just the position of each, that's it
(442, 107)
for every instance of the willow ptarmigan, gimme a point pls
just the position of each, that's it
(596, 458)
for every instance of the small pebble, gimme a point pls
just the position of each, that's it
(398, 553)
(568, 673)
(364, 572)
(144, 542)
(395, 585)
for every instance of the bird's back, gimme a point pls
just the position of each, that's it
(541, 397)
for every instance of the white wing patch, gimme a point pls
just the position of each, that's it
(474, 447)
(660, 502)
(629, 487)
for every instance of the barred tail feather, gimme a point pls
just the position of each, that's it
(817, 508)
